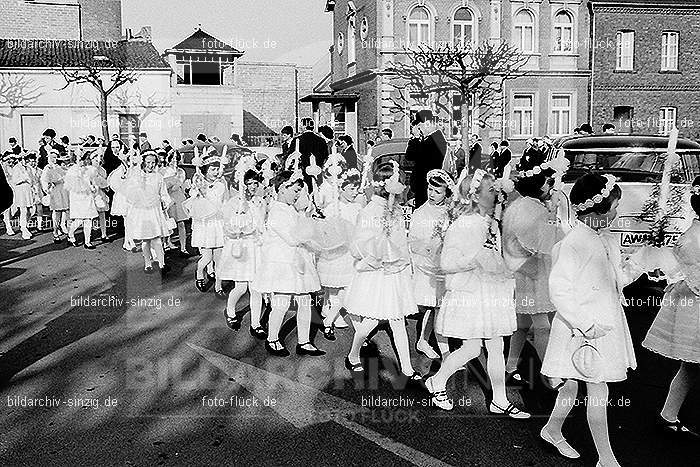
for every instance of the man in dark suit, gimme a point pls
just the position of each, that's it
(475, 151)
(348, 151)
(310, 143)
(144, 144)
(47, 143)
(427, 151)
(286, 134)
(502, 159)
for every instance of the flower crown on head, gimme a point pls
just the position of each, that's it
(695, 190)
(442, 175)
(349, 173)
(597, 199)
(536, 170)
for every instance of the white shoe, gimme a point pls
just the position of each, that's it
(426, 349)
(439, 398)
(512, 411)
(340, 323)
(562, 446)
(26, 234)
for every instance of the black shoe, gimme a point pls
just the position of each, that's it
(202, 284)
(329, 333)
(676, 429)
(89, 246)
(515, 379)
(233, 322)
(277, 352)
(164, 270)
(148, 269)
(355, 368)
(211, 276)
(310, 350)
(184, 254)
(57, 240)
(258, 333)
(73, 243)
(106, 240)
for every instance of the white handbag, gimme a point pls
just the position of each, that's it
(586, 358)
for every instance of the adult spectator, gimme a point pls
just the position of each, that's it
(15, 148)
(608, 129)
(144, 145)
(286, 135)
(427, 151)
(387, 134)
(586, 129)
(48, 142)
(327, 133)
(348, 151)
(475, 151)
(310, 143)
(502, 159)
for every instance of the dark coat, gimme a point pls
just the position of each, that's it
(6, 196)
(43, 159)
(500, 161)
(475, 157)
(428, 154)
(310, 143)
(350, 156)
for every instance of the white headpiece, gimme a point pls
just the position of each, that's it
(597, 199)
(442, 175)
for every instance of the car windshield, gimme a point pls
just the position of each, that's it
(632, 166)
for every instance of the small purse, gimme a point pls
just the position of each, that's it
(46, 200)
(100, 202)
(586, 358)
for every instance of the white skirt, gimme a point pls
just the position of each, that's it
(373, 294)
(478, 314)
(120, 205)
(208, 233)
(427, 289)
(146, 223)
(336, 272)
(24, 198)
(105, 198)
(82, 205)
(59, 199)
(239, 260)
(297, 277)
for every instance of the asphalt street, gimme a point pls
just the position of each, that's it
(101, 364)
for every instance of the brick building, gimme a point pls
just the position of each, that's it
(87, 20)
(551, 99)
(646, 65)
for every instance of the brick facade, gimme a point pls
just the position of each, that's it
(548, 72)
(64, 19)
(646, 89)
(270, 91)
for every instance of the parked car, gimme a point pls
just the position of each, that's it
(637, 161)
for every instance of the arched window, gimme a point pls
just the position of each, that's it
(463, 28)
(524, 33)
(563, 32)
(419, 26)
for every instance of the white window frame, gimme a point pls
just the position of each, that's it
(625, 50)
(670, 41)
(556, 115)
(521, 111)
(560, 28)
(462, 24)
(520, 29)
(418, 24)
(667, 119)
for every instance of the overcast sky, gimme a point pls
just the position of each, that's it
(266, 30)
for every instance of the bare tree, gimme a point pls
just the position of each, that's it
(432, 74)
(17, 90)
(130, 100)
(104, 73)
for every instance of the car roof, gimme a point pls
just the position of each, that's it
(621, 142)
(389, 147)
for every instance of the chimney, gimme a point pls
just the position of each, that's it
(145, 33)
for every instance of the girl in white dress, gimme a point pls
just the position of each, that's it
(425, 235)
(675, 332)
(101, 197)
(131, 162)
(244, 223)
(148, 200)
(52, 178)
(478, 307)
(8, 163)
(81, 183)
(286, 269)
(37, 191)
(585, 286)
(335, 268)
(530, 231)
(24, 198)
(208, 194)
(176, 182)
(381, 289)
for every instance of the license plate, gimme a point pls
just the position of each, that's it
(635, 239)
